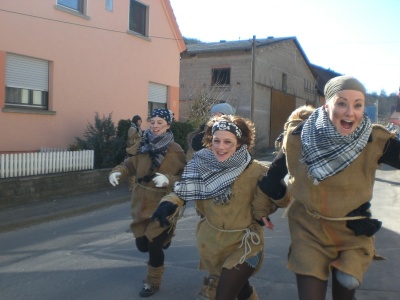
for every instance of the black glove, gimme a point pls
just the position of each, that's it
(261, 222)
(365, 226)
(146, 178)
(271, 184)
(164, 210)
(197, 141)
(362, 210)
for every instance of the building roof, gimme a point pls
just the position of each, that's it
(242, 45)
(175, 27)
(323, 76)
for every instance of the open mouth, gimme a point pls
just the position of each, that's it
(346, 124)
(220, 156)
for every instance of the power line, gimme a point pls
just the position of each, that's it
(81, 25)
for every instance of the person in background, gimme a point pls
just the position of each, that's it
(194, 139)
(135, 135)
(302, 112)
(331, 159)
(394, 120)
(222, 180)
(157, 163)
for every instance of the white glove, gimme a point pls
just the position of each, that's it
(160, 180)
(114, 177)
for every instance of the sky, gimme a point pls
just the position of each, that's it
(351, 37)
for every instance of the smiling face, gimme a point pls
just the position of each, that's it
(158, 125)
(224, 144)
(346, 110)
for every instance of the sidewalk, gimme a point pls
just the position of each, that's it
(38, 212)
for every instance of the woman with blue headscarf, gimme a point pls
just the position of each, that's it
(157, 163)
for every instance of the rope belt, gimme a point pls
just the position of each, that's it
(152, 189)
(254, 238)
(317, 215)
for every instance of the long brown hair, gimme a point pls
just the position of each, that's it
(245, 125)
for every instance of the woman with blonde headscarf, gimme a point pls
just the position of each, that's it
(331, 159)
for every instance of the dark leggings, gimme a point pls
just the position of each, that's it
(156, 252)
(234, 283)
(312, 288)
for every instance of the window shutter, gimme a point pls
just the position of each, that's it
(27, 73)
(157, 93)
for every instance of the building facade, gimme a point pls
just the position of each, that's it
(61, 61)
(264, 79)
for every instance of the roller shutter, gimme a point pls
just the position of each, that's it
(157, 93)
(27, 73)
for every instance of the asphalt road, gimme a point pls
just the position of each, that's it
(92, 256)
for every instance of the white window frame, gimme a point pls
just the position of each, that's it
(27, 82)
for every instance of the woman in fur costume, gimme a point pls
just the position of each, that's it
(156, 162)
(135, 132)
(331, 159)
(222, 179)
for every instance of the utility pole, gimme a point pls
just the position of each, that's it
(253, 71)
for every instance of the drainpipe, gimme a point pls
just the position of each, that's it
(253, 71)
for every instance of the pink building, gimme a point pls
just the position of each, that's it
(61, 61)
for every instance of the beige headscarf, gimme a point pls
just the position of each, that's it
(342, 83)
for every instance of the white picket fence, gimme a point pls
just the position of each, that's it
(45, 162)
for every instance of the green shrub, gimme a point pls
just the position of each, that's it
(180, 131)
(74, 147)
(109, 149)
(123, 128)
(109, 143)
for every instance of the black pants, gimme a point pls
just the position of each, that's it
(155, 248)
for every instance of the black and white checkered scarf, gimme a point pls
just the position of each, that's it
(138, 129)
(325, 151)
(204, 177)
(156, 146)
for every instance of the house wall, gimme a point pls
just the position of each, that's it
(271, 62)
(195, 80)
(95, 66)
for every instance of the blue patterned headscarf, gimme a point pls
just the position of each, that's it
(163, 113)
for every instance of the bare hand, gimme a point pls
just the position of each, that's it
(268, 223)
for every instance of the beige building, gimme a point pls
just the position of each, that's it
(61, 61)
(266, 84)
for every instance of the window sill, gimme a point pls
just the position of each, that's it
(71, 11)
(27, 111)
(220, 87)
(139, 35)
